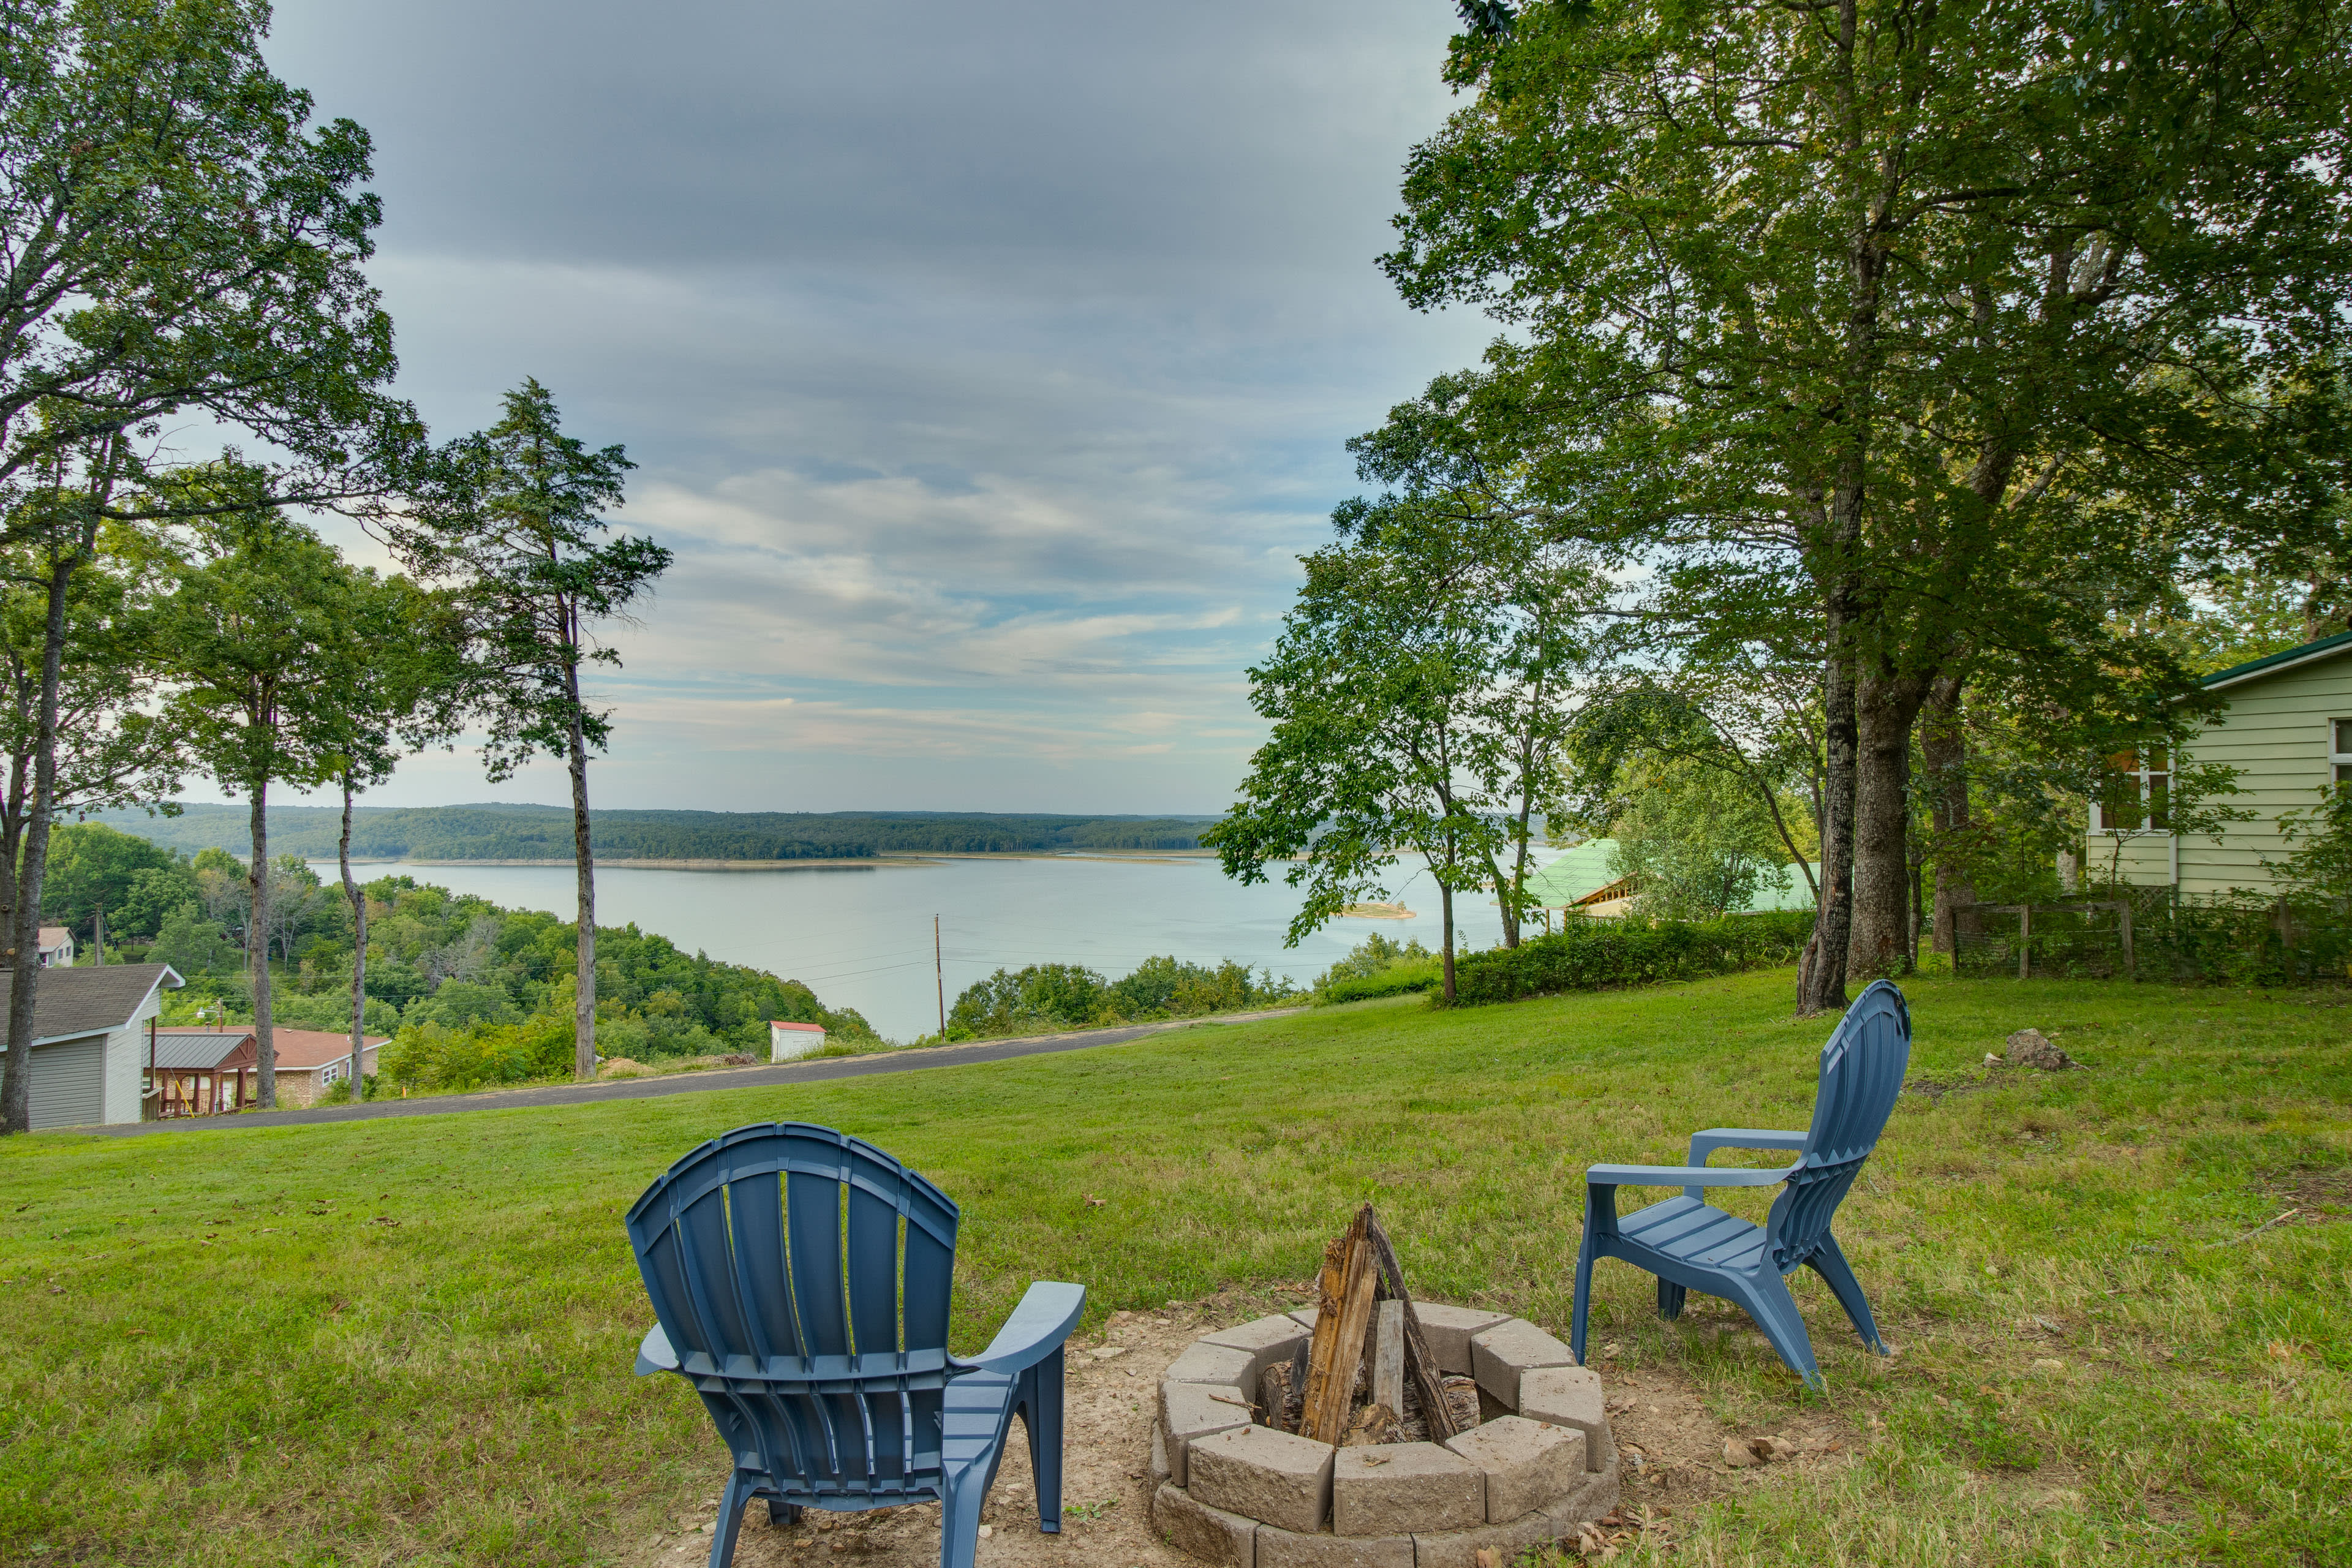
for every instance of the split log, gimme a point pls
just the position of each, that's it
(1388, 1354)
(1420, 1366)
(1343, 1303)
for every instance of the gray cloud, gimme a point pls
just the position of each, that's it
(986, 365)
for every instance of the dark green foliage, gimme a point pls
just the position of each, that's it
(544, 833)
(458, 1002)
(1046, 997)
(1402, 979)
(192, 945)
(1592, 954)
(1379, 966)
(2230, 939)
(138, 882)
(465, 965)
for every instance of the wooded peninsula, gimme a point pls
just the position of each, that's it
(498, 832)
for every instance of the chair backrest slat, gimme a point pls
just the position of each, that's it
(1861, 1076)
(930, 1272)
(814, 1203)
(755, 1208)
(872, 1271)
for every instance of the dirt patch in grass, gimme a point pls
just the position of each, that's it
(2316, 1196)
(1112, 1381)
(1671, 1447)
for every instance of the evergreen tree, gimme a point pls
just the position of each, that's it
(517, 527)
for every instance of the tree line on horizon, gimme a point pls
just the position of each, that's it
(186, 251)
(1898, 412)
(537, 832)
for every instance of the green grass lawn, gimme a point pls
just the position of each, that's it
(409, 1340)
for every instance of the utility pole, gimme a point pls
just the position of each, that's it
(940, 974)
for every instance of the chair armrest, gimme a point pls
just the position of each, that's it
(1703, 1144)
(1680, 1176)
(1034, 1331)
(655, 1355)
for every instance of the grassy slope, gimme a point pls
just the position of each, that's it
(409, 1340)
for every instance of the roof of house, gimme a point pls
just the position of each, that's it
(70, 1003)
(786, 1024)
(2272, 664)
(1580, 871)
(232, 1045)
(54, 936)
(198, 1050)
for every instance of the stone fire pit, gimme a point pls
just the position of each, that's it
(1539, 1462)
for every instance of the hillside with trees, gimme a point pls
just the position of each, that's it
(544, 833)
(472, 970)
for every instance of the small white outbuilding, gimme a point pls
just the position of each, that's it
(786, 1041)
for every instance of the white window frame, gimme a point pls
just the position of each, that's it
(2142, 777)
(2339, 751)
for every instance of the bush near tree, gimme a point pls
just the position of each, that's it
(1048, 996)
(1592, 956)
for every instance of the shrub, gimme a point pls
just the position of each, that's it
(2239, 938)
(1379, 966)
(1592, 954)
(436, 1056)
(1047, 996)
(458, 1002)
(1394, 981)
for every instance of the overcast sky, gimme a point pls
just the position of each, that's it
(986, 365)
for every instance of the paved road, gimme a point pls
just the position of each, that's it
(684, 1083)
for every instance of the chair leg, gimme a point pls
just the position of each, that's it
(731, 1504)
(1583, 1311)
(959, 1517)
(782, 1514)
(1765, 1297)
(1830, 1263)
(1670, 1299)
(1041, 1398)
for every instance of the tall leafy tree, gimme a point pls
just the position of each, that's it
(1942, 325)
(408, 689)
(517, 527)
(1414, 696)
(180, 241)
(79, 733)
(262, 637)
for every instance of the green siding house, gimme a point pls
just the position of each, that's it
(2288, 731)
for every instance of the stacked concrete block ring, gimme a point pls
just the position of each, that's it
(1234, 1492)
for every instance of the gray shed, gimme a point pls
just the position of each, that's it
(89, 1040)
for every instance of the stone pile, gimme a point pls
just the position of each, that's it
(1236, 1490)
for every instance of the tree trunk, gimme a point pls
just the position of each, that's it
(1884, 710)
(1446, 909)
(257, 943)
(583, 1005)
(1821, 979)
(1943, 749)
(23, 955)
(359, 949)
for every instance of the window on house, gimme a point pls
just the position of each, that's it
(2136, 794)
(2340, 756)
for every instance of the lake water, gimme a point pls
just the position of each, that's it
(862, 938)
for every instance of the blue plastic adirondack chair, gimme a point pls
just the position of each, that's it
(1690, 1245)
(801, 1278)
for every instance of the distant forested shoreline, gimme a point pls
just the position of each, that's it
(544, 833)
